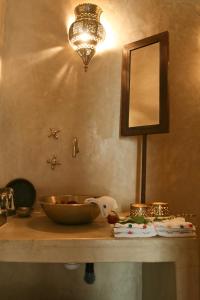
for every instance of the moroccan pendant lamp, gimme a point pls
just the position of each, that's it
(87, 31)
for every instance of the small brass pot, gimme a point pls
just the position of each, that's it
(138, 209)
(159, 209)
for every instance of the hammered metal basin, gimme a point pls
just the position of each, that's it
(69, 209)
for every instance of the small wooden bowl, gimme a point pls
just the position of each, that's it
(23, 211)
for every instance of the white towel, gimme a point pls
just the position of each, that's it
(134, 230)
(176, 227)
(106, 204)
(176, 234)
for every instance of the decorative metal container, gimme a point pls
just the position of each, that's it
(159, 209)
(7, 200)
(69, 209)
(138, 209)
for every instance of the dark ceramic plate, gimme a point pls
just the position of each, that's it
(24, 192)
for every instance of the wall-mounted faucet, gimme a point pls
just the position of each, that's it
(75, 147)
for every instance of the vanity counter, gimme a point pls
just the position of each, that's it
(39, 240)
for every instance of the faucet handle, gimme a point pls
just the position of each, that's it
(53, 162)
(54, 133)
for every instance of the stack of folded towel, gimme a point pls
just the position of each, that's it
(176, 227)
(130, 230)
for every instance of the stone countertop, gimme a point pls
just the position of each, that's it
(40, 227)
(38, 239)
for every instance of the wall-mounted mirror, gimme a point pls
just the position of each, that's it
(144, 101)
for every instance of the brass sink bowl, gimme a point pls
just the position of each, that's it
(69, 209)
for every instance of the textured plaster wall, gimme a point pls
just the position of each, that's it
(2, 27)
(174, 158)
(43, 85)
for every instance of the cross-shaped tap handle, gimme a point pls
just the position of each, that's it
(53, 162)
(54, 133)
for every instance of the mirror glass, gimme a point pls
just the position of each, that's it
(144, 103)
(144, 86)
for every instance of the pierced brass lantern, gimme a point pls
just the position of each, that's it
(87, 31)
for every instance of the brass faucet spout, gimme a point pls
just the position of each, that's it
(75, 147)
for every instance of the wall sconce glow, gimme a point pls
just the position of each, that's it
(110, 41)
(87, 31)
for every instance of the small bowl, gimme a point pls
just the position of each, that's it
(23, 212)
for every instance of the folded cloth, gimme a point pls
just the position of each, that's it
(106, 204)
(176, 227)
(176, 234)
(130, 230)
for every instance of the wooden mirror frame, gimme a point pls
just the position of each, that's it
(163, 125)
